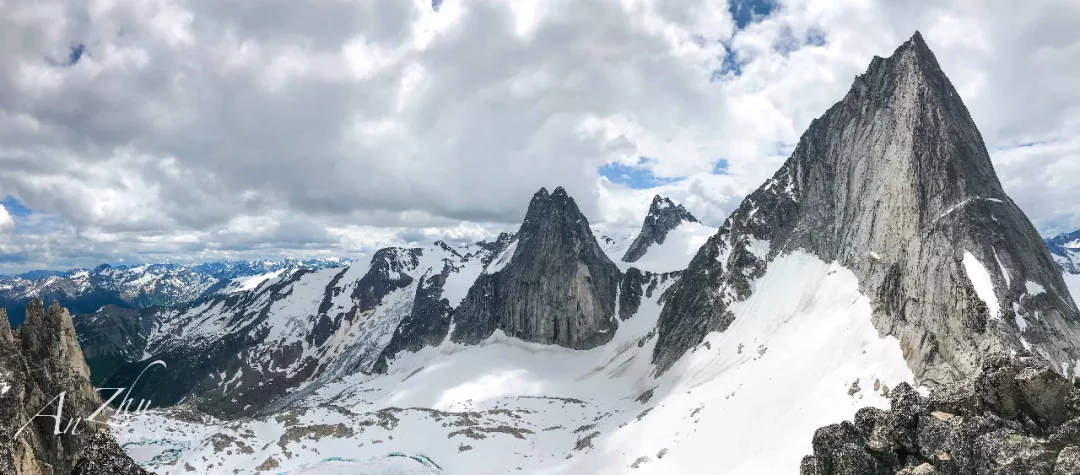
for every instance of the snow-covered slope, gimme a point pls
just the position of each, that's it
(673, 255)
(668, 238)
(273, 337)
(745, 401)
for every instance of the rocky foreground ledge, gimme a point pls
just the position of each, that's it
(1017, 417)
(42, 433)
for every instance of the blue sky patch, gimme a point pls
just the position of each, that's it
(15, 207)
(435, 4)
(76, 54)
(720, 167)
(636, 176)
(745, 12)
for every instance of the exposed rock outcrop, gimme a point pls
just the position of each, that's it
(557, 287)
(1018, 416)
(664, 216)
(426, 325)
(103, 456)
(39, 362)
(894, 182)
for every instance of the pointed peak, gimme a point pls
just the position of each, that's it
(920, 51)
(664, 205)
(543, 193)
(546, 208)
(5, 327)
(664, 216)
(35, 311)
(911, 61)
(916, 39)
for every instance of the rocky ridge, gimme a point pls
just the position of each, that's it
(893, 182)
(259, 348)
(39, 362)
(663, 216)
(1018, 416)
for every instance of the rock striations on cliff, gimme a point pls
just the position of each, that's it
(39, 362)
(663, 217)
(894, 182)
(552, 284)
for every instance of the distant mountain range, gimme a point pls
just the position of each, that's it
(167, 285)
(1065, 248)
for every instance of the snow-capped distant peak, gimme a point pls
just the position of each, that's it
(668, 239)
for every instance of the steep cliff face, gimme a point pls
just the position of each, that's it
(664, 216)
(112, 337)
(553, 284)
(894, 182)
(38, 363)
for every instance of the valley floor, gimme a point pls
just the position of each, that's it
(801, 353)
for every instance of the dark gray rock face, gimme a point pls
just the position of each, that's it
(558, 287)
(630, 290)
(39, 362)
(664, 215)
(427, 324)
(113, 336)
(1017, 417)
(895, 183)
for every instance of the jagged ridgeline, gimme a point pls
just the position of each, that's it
(895, 183)
(38, 362)
(663, 217)
(257, 350)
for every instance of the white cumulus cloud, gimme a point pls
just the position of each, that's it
(204, 129)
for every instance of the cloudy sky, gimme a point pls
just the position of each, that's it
(172, 130)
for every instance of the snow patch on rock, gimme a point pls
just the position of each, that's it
(984, 286)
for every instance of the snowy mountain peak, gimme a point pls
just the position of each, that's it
(664, 216)
(893, 182)
(1065, 248)
(662, 206)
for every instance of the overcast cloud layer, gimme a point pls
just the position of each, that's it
(191, 130)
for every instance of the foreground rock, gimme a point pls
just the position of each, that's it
(1017, 417)
(39, 362)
